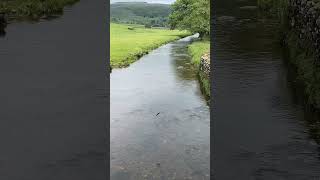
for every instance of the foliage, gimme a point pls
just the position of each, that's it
(140, 13)
(193, 15)
(128, 45)
(278, 8)
(148, 26)
(33, 8)
(205, 84)
(308, 72)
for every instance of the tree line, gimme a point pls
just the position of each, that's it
(192, 15)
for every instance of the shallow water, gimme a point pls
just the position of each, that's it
(53, 97)
(173, 144)
(260, 130)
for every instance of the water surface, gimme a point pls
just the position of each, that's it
(159, 118)
(52, 98)
(260, 130)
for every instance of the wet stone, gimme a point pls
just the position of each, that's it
(226, 18)
(248, 7)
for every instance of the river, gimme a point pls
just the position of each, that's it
(159, 118)
(53, 108)
(261, 130)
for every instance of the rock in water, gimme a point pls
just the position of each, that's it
(226, 18)
(249, 7)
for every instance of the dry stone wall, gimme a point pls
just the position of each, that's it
(205, 65)
(304, 16)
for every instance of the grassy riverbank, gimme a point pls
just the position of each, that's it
(197, 49)
(129, 42)
(33, 8)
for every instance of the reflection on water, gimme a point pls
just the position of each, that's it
(159, 119)
(53, 100)
(261, 131)
(2, 32)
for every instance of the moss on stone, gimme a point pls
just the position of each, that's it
(308, 69)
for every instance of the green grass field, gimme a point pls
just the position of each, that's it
(126, 46)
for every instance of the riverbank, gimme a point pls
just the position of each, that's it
(33, 9)
(300, 22)
(130, 42)
(200, 52)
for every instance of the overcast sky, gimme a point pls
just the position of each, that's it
(149, 1)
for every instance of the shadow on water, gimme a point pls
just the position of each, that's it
(261, 129)
(53, 98)
(2, 33)
(311, 118)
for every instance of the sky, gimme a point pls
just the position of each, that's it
(149, 1)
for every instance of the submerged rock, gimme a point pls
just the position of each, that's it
(180, 67)
(226, 18)
(249, 7)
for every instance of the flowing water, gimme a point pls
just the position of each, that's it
(159, 118)
(260, 130)
(52, 98)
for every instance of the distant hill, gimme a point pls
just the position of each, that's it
(140, 13)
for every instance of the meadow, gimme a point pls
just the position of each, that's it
(129, 42)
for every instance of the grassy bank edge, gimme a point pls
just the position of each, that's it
(133, 57)
(128, 43)
(33, 9)
(196, 50)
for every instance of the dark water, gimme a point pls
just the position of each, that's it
(260, 130)
(53, 97)
(173, 144)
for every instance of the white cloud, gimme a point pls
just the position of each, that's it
(149, 1)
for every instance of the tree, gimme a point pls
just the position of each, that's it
(192, 15)
(148, 25)
(153, 22)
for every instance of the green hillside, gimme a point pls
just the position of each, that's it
(140, 13)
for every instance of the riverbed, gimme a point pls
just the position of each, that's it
(159, 119)
(261, 130)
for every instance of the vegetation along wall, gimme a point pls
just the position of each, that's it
(301, 19)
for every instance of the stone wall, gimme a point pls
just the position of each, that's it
(304, 19)
(205, 65)
(300, 20)
(204, 75)
(303, 42)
